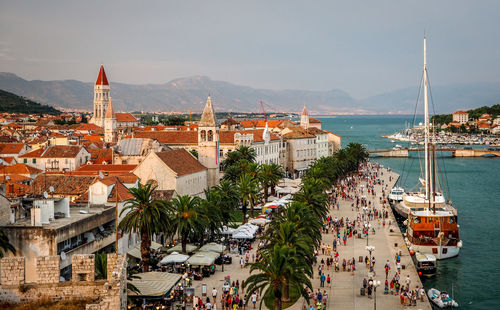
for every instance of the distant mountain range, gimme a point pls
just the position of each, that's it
(183, 94)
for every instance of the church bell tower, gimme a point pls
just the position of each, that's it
(208, 143)
(101, 98)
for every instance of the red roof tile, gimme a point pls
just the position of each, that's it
(101, 78)
(11, 148)
(110, 169)
(181, 162)
(170, 137)
(125, 117)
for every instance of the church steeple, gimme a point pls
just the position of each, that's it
(208, 143)
(208, 116)
(304, 119)
(101, 97)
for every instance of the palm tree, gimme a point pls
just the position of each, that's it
(5, 246)
(269, 176)
(228, 199)
(289, 234)
(277, 267)
(188, 218)
(313, 194)
(248, 190)
(246, 153)
(145, 216)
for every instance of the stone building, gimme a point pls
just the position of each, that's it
(208, 143)
(175, 170)
(101, 98)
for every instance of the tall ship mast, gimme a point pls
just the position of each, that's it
(432, 222)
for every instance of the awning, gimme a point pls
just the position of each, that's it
(260, 221)
(201, 259)
(214, 247)
(154, 284)
(190, 248)
(174, 258)
(136, 252)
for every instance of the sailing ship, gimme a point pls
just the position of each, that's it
(432, 226)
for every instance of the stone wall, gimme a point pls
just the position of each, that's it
(83, 267)
(12, 271)
(110, 294)
(47, 269)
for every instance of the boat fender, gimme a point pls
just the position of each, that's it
(405, 222)
(459, 244)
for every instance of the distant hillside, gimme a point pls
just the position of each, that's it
(13, 103)
(494, 111)
(184, 94)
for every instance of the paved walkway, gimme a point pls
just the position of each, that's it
(345, 290)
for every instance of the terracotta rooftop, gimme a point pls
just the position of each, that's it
(181, 162)
(170, 137)
(19, 169)
(56, 151)
(312, 120)
(460, 112)
(98, 156)
(125, 117)
(101, 78)
(298, 133)
(63, 184)
(11, 148)
(261, 123)
(110, 169)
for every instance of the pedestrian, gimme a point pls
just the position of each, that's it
(322, 279)
(254, 299)
(328, 280)
(242, 262)
(214, 294)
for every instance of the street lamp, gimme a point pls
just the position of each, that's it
(370, 248)
(367, 227)
(375, 284)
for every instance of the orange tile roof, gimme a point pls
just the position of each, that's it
(8, 159)
(312, 120)
(460, 112)
(13, 178)
(92, 138)
(87, 127)
(298, 133)
(181, 162)
(11, 148)
(170, 137)
(56, 151)
(101, 78)
(19, 169)
(98, 156)
(125, 117)
(63, 184)
(261, 123)
(110, 169)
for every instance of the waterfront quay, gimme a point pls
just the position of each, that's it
(345, 289)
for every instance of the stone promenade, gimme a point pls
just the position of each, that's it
(344, 292)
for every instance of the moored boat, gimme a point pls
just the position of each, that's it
(426, 264)
(441, 299)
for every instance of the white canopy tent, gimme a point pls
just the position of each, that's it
(190, 248)
(136, 252)
(213, 247)
(260, 221)
(201, 259)
(174, 258)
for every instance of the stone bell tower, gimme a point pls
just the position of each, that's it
(110, 124)
(208, 143)
(101, 98)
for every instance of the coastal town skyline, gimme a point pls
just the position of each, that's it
(329, 46)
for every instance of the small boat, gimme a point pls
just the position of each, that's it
(396, 194)
(425, 264)
(441, 299)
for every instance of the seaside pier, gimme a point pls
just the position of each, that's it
(455, 152)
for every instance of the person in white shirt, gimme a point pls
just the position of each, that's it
(214, 294)
(209, 306)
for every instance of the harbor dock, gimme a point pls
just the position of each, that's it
(345, 291)
(455, 152)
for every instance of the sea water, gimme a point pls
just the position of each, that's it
(473, 185)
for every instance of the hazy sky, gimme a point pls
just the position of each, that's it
(362, 47)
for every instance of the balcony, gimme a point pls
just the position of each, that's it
(88, 248)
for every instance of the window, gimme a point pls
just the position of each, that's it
(445, 250)
(210, 135)
(34, 160)
(25, 160)
(203, 135)
(434, 250)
